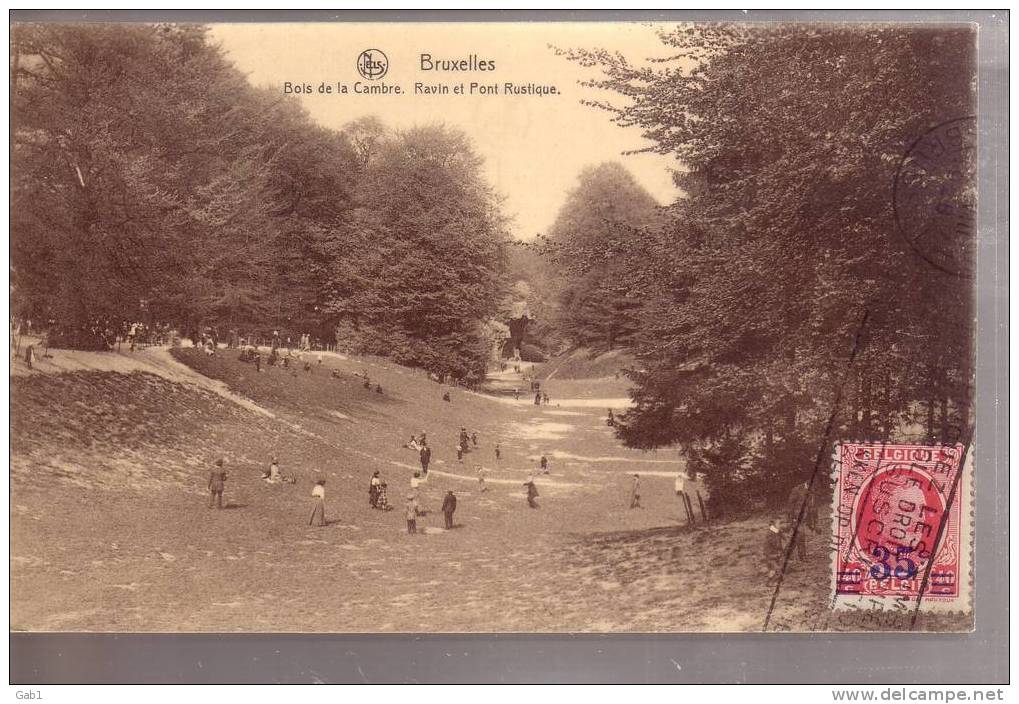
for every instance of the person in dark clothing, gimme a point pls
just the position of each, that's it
(537, 399)
(445, 397)
(448, 507)
(498, 452)
(426, 456)
(378, 388)
(532, 494)
(373, 489)
(800, 495)
(544, 464)
(382, 498)
(217, 477)
(258, 362)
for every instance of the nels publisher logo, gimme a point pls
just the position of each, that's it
(372, 64)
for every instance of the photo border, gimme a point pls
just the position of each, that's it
(899, 658)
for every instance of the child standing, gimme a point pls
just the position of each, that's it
(217, 477)
(411, 514)
(318, 495)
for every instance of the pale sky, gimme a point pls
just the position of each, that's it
(534, 146)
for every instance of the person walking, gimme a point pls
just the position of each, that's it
(635, 492)
(532, 494)
(425, 454)
(448, 508)
(798, 496)
(318, 512)
(217, 478)
(373, 489)
(411, 514)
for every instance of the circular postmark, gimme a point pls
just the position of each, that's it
(372, 64)
(934, 196)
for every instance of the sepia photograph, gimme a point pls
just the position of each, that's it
(493, 327)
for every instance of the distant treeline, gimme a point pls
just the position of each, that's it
(151, 182)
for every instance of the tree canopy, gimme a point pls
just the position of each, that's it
(151, 182)
(596, 309)
(779, 293)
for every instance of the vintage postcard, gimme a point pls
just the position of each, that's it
(444, 327)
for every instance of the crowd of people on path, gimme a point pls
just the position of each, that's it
(785, 535)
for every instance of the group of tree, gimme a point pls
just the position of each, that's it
(151, 182)
(775, 308)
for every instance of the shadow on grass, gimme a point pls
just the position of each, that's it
(624, 537)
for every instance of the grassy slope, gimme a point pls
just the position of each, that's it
(110, 530)
(579, 374)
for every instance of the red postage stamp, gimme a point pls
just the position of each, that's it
(900, 527)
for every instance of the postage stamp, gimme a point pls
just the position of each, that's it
(901, 532)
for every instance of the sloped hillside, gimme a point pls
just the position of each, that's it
(111, 528)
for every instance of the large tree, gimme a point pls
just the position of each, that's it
(596, 309)
(150, 179)
(781, 294)
(429, 250)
